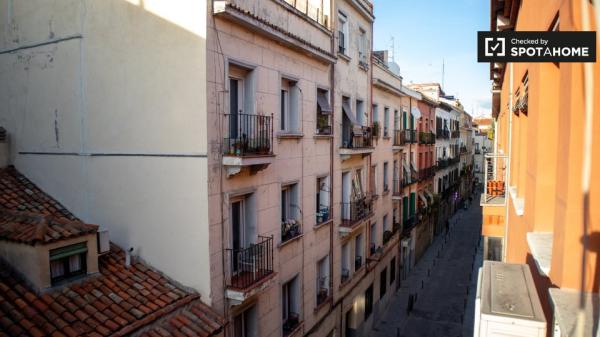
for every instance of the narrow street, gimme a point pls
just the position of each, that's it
(443, 282)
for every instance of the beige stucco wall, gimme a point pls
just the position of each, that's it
(116, 90)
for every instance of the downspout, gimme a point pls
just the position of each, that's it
(509, 159)
(331, 148)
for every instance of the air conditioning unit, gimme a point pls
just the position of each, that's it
(507, 303)
(103, 241)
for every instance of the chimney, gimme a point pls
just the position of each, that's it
(3, 148)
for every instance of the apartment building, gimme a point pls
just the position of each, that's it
(481, 146)
(467, 141)
(541, 180)
(278, 168)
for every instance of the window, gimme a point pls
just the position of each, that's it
(385, 177)
(342, 33)
(373, 237)
(68, 262)
(323, 280)
(244, 324)
(396, 120)
(393, 270)
(290, 212)
(382, 282)
(360, 112)
(368, 302)
(376, 124)
(289, 106)
(290, 299)
(386, 121)
(373, 179)
(323, 211)
(358, 252)
(362, 46)
(386, 226)
(323, 112)
(345, 262)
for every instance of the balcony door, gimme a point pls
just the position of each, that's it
(243, 225)
(346, 188)
(236, 99)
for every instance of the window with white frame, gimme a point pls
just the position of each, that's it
(358, 252)
(68, 262)
(323, 210)
(290, 300)
(343, 34)
(362, 46)
(385, 177)
(245, 324)
(289, 109)
(386, 121)
(360, 112)
(290, 212)
(373, 238)
(323, 280)
(345, 265)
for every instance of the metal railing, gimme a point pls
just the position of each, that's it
(409, 224)
(426, 138)
(249, 265)
(410, 136)
(248, 135)
(356, 210)
(494, 188)
(358, 141)
(455, 133)
(442, 133)
(397, 187)
(426, 173)
(442, 163)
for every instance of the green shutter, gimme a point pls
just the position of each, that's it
(404, 120)
(405, 209)
(412, 203)
(62, 252)
(412, 122)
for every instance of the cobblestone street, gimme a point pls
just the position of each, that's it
(443, 282)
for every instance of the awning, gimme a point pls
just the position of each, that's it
(423, 198)
(348, 112)
(416, 112)
(323, 103)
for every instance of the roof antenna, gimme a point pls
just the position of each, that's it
(443, 72)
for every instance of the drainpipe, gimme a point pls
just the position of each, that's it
(509, 158)
(331, 149)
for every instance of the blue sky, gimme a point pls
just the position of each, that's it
(427, 31)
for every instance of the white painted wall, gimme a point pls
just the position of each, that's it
(117, 90)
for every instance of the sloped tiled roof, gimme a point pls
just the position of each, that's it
(31, 228)
(117, 301)
(17, 193)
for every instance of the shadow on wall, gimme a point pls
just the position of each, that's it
(594, 248)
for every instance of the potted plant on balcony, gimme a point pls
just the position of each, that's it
(289, 229)
(323, 127)
(376, 130)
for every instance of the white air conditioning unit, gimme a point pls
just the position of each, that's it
(507, 302)
(103, 241)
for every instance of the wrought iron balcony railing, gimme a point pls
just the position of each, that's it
(251, 264)
(355, 211)
(410, 136)
(248, 135)
(359, 140)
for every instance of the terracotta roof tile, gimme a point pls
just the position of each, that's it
(117, 301)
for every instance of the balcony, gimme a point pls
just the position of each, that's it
(359, 142)
(442, 133)
(455, 133)
(463, 149)
(290, 229)
(453, 161)
(426, 138)
(354, 212)
(249, 269)
(409, 224)
(426, 173)
(494, 188)
(249, 142)
(291, 324)
(410, 136)
(323, 215)
(398, 138)
(443, 163)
